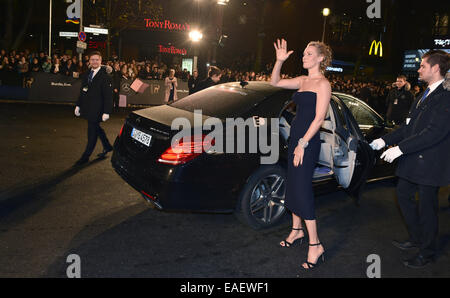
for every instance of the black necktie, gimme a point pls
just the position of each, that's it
(91, 75)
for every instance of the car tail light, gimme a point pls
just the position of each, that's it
(186, 151)
(148, 196)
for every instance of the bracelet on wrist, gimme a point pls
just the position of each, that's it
(303, 143)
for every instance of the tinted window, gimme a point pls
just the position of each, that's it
(361, 112)
(222, 102)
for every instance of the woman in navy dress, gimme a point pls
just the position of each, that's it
(312, 99)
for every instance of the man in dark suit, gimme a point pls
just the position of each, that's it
(399, 100)
(95, 105)
(422, 146)
(193, 82)
(214, 75)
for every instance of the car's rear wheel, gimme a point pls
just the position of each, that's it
(261, 202)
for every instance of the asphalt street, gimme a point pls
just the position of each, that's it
(49, 210)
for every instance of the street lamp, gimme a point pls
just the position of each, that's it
(195, 35)
(325, 13)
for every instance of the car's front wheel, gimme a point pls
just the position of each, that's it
(261, 202)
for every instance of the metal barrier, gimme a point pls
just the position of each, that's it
(61, 88)
(153, 95)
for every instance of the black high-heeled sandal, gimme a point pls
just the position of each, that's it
(289, 244)
(315, 265)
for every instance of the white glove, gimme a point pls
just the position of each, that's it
(377, 144)
(391, 154)
(77, 111)
(105, 117)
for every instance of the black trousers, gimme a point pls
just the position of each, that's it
(116, 100)
(421, 216)
(94, 132)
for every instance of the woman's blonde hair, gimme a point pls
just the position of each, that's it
(325, 51)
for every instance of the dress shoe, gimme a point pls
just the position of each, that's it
(407, 245)
(104, 152)
(418, 261)
(82, 161)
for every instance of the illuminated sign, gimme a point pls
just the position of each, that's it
(443, 43)
(97, 44)
(68, 34)
(377, 45)
(95, 30)
(188, 63)
(166, 25)
(171, 50)
(73, 12)
(412, 59)
(335, 69)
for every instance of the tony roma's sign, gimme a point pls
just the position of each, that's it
(171, 50)
(166, 25)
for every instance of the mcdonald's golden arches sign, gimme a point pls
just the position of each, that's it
(377, 45)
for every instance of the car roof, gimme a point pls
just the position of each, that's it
(261, 87)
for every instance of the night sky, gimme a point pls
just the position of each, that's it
(404, 25)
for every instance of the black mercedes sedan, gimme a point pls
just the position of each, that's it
(172, 177)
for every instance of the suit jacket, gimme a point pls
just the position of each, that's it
(399, 102)
(95, 98)
(208, 82)
(425, 141)
(192, 84)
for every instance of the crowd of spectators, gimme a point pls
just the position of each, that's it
(24, 63)
(16, 67)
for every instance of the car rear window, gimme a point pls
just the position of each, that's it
(220, 101)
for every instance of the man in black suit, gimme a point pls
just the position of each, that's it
(214, 75)
(399, 101)
(422, 146)
(193, 82)
(95, 105)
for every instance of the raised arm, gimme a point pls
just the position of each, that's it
(282, 54)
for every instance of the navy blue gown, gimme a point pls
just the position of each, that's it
(299, 191)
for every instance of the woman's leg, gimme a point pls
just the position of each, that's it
(314, 252)
(295, 234)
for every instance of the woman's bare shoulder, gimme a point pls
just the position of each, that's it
(324, 84)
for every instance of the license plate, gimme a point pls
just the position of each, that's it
(141, 137)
